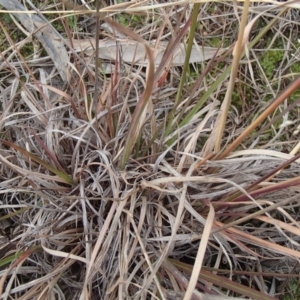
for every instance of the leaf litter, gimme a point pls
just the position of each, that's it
(85, 222)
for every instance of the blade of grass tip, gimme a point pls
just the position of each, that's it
(283, 96)
(194, 24)
(12, 257)
(237, 54)
(135, 125)
(96, 92)
(200, 253)
(114, 83)
(62, 175)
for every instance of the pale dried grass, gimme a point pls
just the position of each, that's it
(111, 233)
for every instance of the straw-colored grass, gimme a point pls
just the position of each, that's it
(161, 163)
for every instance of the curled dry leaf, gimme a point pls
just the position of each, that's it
(133, 52)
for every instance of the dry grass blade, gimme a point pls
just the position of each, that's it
(45, 33)
(109, 178)
(8, 216)
(254, 215)
(237, 55)
(282, 97)
(21, 257)
(66, 255)
(200, 254)
(46, 165)
(137, 118)
(223, 282)
(262, 243)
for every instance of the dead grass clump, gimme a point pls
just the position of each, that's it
(159, 163)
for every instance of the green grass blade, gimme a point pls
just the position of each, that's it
(185, 67)
(12, 214)
(7, 260)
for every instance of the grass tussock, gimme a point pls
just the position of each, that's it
(161, 163)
